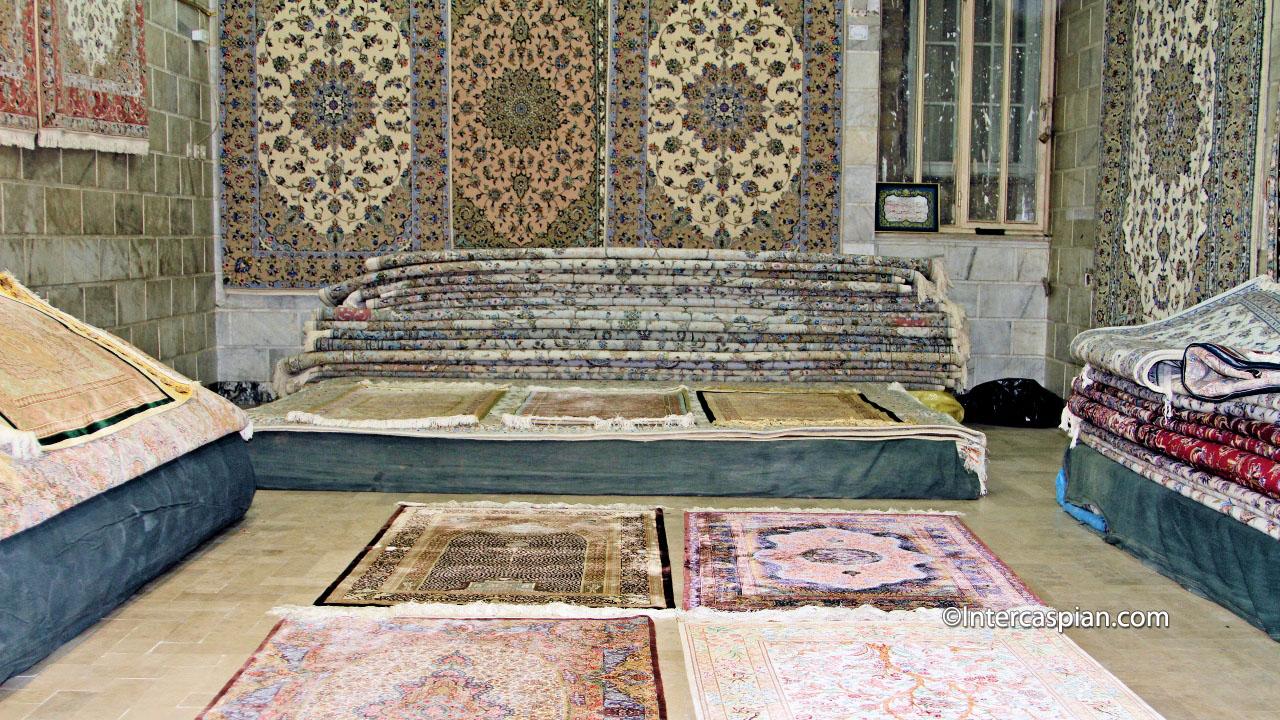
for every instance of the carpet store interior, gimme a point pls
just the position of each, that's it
(694, 359)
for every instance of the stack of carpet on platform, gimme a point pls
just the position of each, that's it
(638, 314)
(1185, 402)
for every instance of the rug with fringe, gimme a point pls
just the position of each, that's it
(759, 560)
(745, 671)
(477, 669)
(606, 556)
(602, 409)
(373, 404)
(789, 408)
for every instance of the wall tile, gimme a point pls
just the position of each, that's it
(62, 211)
(24, 209)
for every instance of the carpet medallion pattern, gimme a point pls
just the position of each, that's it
(517, 554)
(528, 87)
(725, 124)
(404, 668)
(803, 670)
(1179, 132)
(894, 561)
(333, 137)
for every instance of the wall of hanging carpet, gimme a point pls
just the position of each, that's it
(359, 129)
(1179, 135)
(73, 75)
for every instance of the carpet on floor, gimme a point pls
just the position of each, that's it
(758, 560)
(319, 668)
(515, 553)
(864, 669)
(789, 408)
(602, 409)
(375, 404)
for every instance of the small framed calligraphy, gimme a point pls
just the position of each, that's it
(909, 207)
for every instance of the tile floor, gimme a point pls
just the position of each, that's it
(168, 650)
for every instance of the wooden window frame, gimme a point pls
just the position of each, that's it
(964, 120)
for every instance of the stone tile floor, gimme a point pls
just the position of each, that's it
(167, 651)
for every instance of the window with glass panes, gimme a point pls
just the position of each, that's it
(964, 104)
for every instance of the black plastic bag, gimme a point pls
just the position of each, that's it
(1015, 402)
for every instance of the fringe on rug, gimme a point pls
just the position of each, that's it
(54, 138)
(427, 423)
(426, 384)
(831, 511)
(808, 613)
(467, 610)
(803, 423)
(1070, 424)
(18, 138)
(20, 444)
(818, 613)
(625, 507)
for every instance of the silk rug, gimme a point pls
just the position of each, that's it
(64, 383)
(1247, 318)
(331, 152)
(742, 560)
(865, 669)
(724, 124)
(1179, 131)
(579, 554)
(603, 410)
(789, 408)
(527, 122)
(448, 669)
(408, 405)
(19, 103)
(93, 68)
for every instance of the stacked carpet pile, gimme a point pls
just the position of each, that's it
(638, 314)
(1191, 402)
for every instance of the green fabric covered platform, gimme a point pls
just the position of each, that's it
(1209, 553)
(799, 467)
(365, 434)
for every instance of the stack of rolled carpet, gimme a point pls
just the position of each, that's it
(1191, 402)
(638, 314)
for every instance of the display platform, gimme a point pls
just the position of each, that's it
(744, 439)
(63, 575)
(1206, 551)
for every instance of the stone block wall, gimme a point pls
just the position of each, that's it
(126, 242)
(1073, 187)
(999, 281)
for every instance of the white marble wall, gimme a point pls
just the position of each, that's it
(256, 329)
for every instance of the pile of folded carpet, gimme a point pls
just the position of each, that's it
(1191, 402)
(638, 314)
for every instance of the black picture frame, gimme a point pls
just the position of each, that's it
(904, 210)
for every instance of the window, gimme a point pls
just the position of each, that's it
(964, 103)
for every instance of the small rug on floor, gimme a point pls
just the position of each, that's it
(450, 669)
(372, 404)
(746, 671)
(605, 410)
(578, 554)
(784, 408)
(894, 561)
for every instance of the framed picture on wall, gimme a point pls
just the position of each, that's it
(907, 207)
